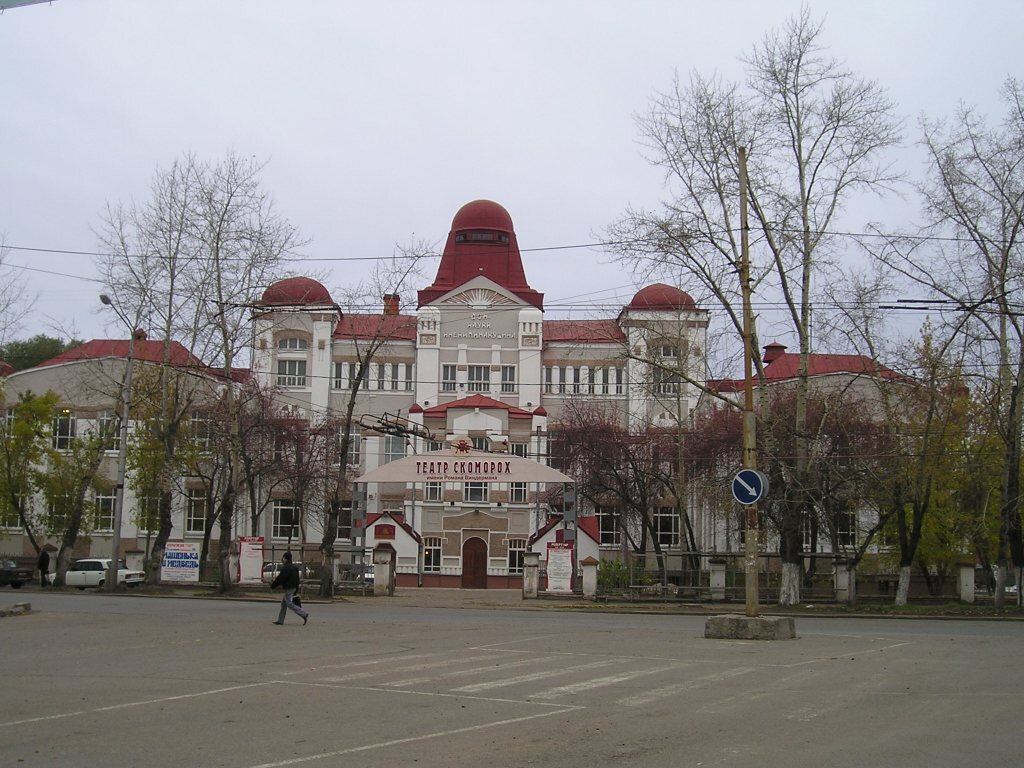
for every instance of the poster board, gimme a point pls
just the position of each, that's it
(559, 566)
(181, 563)
(250, 559)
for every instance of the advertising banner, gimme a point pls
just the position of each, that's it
(181, 562)
(559, 567)
(250, 559)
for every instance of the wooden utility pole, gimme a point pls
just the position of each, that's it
(749, 429)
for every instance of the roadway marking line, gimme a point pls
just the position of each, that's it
(473, 671)
(600, 682)
(817, 659)
(476, 687)
(408, 668)
(410, 739)
(368, 663)
(509, 642)
(435, 694)
(671, 690)
(112, 707)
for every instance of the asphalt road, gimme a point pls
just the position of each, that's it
(92, 680)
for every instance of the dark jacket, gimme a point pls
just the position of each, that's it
(287, 578)
(43, 563)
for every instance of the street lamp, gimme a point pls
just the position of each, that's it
(122, 452)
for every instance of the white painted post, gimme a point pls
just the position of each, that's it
(531, 575)
(589, 565)
(717, 579)
(966, 582)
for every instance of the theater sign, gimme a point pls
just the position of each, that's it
(464, 467)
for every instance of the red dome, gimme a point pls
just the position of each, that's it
(296, 291)
(482, 214)
(661, 297)
(6, 369)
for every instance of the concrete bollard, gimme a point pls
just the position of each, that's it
(531, 575)
(966, 582)
(589, 565)
(717, 579)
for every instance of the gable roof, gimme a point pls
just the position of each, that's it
(587, 525)
(398, 520)
(785, 366)
(607, 331)
(400, 327)
(146, 350)
(477, 401)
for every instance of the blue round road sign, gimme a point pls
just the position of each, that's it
(748, 486)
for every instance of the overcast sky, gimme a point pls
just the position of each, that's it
(378, 120)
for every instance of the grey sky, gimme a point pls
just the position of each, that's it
(379, 120)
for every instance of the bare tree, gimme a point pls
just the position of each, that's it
(815, 133)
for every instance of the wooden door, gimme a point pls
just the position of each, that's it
(474, 564)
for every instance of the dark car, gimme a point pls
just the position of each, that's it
(13, 574)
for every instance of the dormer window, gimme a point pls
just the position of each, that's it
(481, 237)
(292, 344)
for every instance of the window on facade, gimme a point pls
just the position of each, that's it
(667, 350)
(9, 513)
(109, 429)
(508, 378)
(548, 380)
(352, 457)
(479, 443)
(394, 377)
(516, 550)
(577, 374)
(64, 429)
(479, 378)
(281, 452)
(432, 554)
(591, 380)
(195, 511)
(556, 452)
(147, 512)
(353, 374)
(562, 379)
(475, 492)
(291, 373)
(394, 448)
(619, 381)
(434, 445)
(846, 529)
(59, 509)
(286, 520)
(665, 382)
(338, 380)
(201, 428)
(447, 378)
(432, 491)
(608, 525)
(604, 381)
(517, 493)
(666, 526)
(292, 344)
(408, 377)
(518, 449)
(104, 511)
(381, 376)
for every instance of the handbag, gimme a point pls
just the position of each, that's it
(297, 599)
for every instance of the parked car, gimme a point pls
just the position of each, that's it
(92, 572)
(306, 572)
(13, 574)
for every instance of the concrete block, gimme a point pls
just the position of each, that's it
(18, 609)
(734, 627)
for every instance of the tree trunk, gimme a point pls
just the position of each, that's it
(156, 557)
(903, 587)
(789, 584)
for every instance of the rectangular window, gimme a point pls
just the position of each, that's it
(195, 511)
(434, 445)
(352, 458)
(508, 378)
(200, 429)
(516, 550)
(517, 449)
(666, 526)
(608, 525)
(447, 378)
(556, 452)
(338, 380)
(475, 492)
(286, 520)
(291, 373)
(59, 509)
(109, 429)
(105, 512)
(353, 374)
(409, 377)
(604, 381)
(394, 448)
(479, 443)
(64, 428)
(846, 529)
(576, 376)
(562, 379)
(394, 377)
(667, 350)
(479, 378)
(9, 513)
(665, 382)
(548, 379)
(432, 491)
(381, 369)
(619, 381)
(591, 379)
(432, 554)
(517, 493)
(291, 344)
(281, 448)
(147, 512)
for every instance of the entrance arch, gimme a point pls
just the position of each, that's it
(474, 563)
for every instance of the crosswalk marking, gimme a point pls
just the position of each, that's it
(671, 690)
(467, 672)
(411, 668)
(477, 687)
(365, 663)
(600, 682)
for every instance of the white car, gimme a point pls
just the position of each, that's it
(92, 572)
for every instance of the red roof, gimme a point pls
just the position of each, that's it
(296, 291)
(477, 401)
(785, 365)
(397, 518)
(661, 297)
(583, 330)
(588, 525)
(401, 327)
(481, 243)
(145, 349)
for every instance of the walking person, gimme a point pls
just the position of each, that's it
(288, 578)
(44, 566)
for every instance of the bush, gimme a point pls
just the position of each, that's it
(613, 575)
